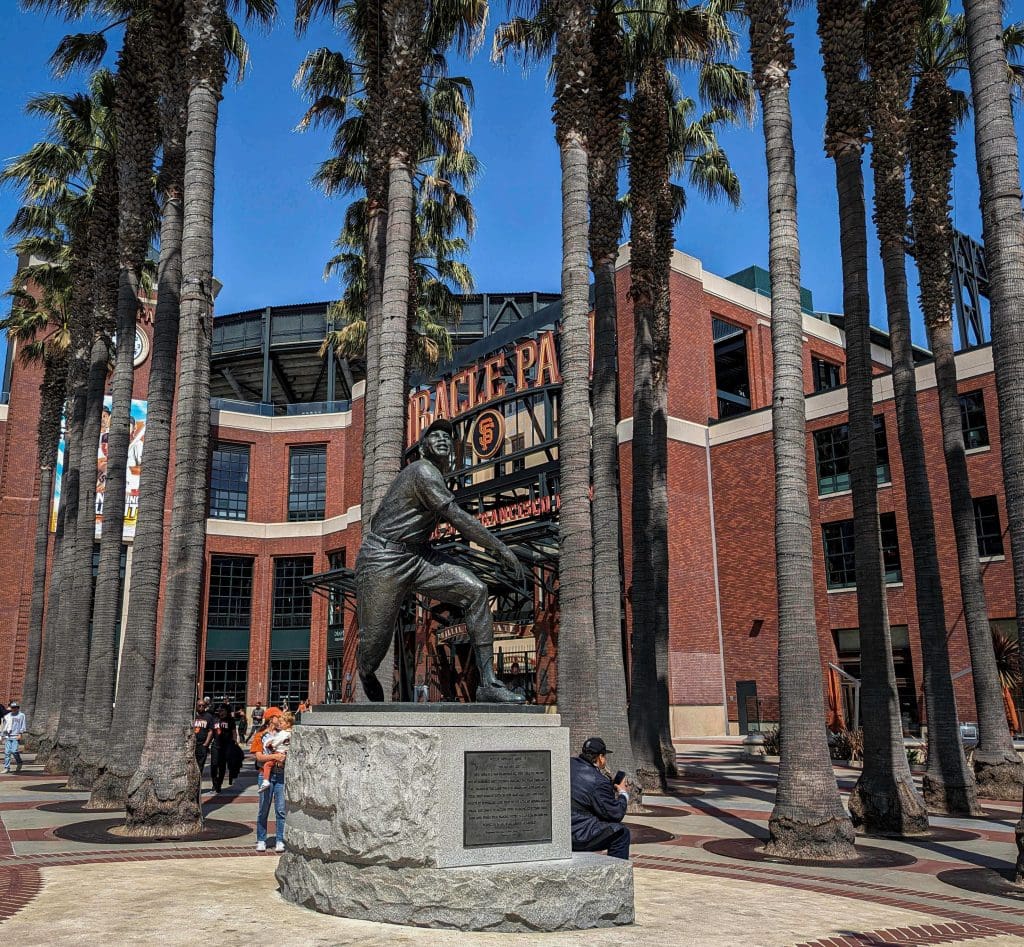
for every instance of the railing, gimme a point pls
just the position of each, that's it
(5, 397)
(317, 407)
(243, 407)
(263, 409)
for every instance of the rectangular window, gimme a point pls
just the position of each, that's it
(972, 419)
(226, 680)
(230, 602)
(307, 482)
(826, 374)
(229, 481)
(336, 609)
(333, 690)
(840, 563)
(732, 379)
(986, 522)
(289, 680)
(293, 599)
(890, 548)
(832, 457)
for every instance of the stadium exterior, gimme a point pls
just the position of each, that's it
(285, 519)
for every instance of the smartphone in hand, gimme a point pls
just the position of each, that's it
(619, 777)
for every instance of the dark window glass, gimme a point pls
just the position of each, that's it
(826, 374)
(293, 599)
(307, 482)
(333, 689)
(225, 680)
(972, 419)
(890, 548)
(840, 564)
(289, 680)
(732, 380)
(832, 456)
(986, 522)
(229, 482)
(230, 602)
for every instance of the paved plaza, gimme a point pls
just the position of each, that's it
(59, 892)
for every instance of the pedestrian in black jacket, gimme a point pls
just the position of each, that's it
(598, 806)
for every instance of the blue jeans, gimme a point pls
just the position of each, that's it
(11, 749)
(275, 792)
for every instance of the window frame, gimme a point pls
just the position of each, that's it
(234, 508)
(990, 542)
(975, 434)
(307, 488)
(818, 363)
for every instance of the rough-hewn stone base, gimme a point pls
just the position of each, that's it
(586, 891)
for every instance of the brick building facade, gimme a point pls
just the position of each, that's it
(285, 502)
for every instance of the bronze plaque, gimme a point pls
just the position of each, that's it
(507, 798)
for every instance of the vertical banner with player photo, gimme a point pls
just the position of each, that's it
(132, 476)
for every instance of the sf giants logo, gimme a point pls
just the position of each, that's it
(488, 434)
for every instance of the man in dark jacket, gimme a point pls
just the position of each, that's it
(598, 806)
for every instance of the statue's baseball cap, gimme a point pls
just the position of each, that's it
(441, 424)
(595, 745)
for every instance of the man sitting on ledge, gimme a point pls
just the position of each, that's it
(598, 805)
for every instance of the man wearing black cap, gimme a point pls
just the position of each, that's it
(395, 560)
(598, 806)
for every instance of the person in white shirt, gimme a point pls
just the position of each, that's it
(11, 731)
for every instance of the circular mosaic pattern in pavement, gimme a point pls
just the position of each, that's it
(751, 849)
(52, 787)
(660, 812)
(73, 806)
(984, 881)
(937, 833)
(98, 832)
(641, 834)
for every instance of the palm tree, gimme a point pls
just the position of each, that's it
(995, 143)
(934, 113)
(808, 818)
(40, 327)
(135, 674)
(885, 798)
(892, 29)
(163, 795)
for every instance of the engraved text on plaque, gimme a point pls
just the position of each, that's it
(507, 798)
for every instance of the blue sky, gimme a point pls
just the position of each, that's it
(273, 231)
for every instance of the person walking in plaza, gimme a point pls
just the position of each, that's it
(241, 723)
(223, 738)
(202, 724)
(11, 731)
(598, 804)
(257, 721)
(274, 792)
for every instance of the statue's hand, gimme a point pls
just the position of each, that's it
(511, 563)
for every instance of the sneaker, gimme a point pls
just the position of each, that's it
(261, 846)
(279, 847)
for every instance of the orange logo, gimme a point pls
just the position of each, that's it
(488, 434)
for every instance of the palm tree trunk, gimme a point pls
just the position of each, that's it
(808, 818)
(995, 143)
(135, 121)
(885, 799)
(948, 784)
(48, 435)
(135, 680)
(605, 144)
(163, 795)
(577, 646)
(997, 768)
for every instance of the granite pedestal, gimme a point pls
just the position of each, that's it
(441, 816)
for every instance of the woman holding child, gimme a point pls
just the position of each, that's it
(270, 747)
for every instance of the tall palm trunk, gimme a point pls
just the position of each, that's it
(605, 142)
(51, 389)
(892, 31)
(885, 798)
(577, 654)
(648, 174)
(135, 680)
(995, 143)
(997, 767)
(808, 818)
(76, 632)
(135, 121)
(163, 795)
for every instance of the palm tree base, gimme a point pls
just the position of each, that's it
(109, 791)
(949, 798)
(888, 806)
(81, 774)
(830, 839)
(171, 809)
(58, 759)
(999, 775)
